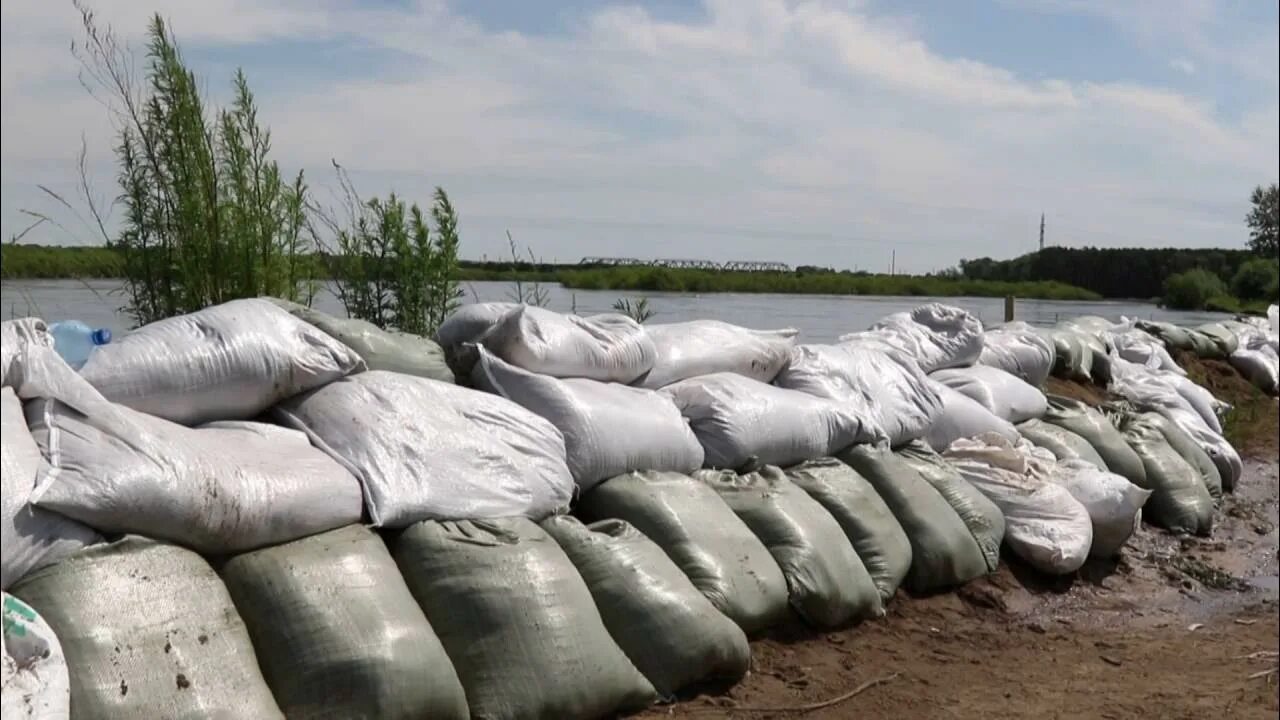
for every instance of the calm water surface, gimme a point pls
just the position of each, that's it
(820, 318)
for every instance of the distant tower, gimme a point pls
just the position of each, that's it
(1042, 231)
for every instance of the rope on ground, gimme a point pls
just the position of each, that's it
(801, 708)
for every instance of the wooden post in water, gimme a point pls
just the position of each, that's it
(1008, 308)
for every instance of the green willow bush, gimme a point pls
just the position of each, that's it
(208, 216)
(1191, 290)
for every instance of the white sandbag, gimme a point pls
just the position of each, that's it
(1159, 389)
(1142, 348)
(962, 417)
(1091, 324)
(34, 684)
(704, 347)
(15, 336)
(609, 348)
(743, 423)
(1273, 318)
(34, 369)
(937, 336)
(216, 490)
(30, 537)
(885, 389)
(608, 428)
(1019, 350)
(426, 449)
(469, 322)
(1114, 504)
(1044, 524)
(1260, 369)
(226, 362)
(1003, 394)
(1073, 356)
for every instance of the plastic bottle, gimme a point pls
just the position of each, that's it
(74, 341)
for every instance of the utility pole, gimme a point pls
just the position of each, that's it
(893, 263)
(1042, 231)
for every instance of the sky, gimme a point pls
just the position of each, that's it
(826, 132)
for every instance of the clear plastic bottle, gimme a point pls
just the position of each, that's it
(74, 341)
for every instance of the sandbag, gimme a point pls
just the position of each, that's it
(1224, 457)
(1222, 337)
(867, 521)
(1259, 368)
(608, 428)
(1174, 337)
(1007, 397)
(33, 368)
(460, 331)
(744, 424)
(33, 670)
(963, 417)
(1064, 444)
(980, 515)
(703, 537)
(667, 628)
(1113, 503)
(827, 584)
(337, 633)
(1206, 346)
(886, 390)
(427, 449)
(1159, 389)
(1073, 358)
(216, 490)
(380, 349)
(30, 537)
(15, 337)
(1045, 525)
(705, 347)
(1189, 450)
(226, 362)
(944, 553)
(1179, 499)
(518, 621)
(148, 631)
(1140, 347)
(937, 336)
(1094, 427)
(608, 348)
(1019, 350)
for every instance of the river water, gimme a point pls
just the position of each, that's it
(820, 318)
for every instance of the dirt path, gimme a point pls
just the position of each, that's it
(1167, 633)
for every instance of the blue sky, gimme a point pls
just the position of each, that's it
(812, 132)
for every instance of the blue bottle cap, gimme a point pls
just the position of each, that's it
(101, 336)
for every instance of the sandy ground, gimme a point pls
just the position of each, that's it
(1177, 628)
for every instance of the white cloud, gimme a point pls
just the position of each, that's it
(805, 132)
(1183, 66)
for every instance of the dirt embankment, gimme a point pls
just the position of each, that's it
(1177, 628)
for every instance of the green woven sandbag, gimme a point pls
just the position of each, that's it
(705, 539)
(1223, 337)
(148, 631)
(1064, 444)
(1189, 450)
(984, 520)
(1094, 427)
(668, 629)
(867, 521)
(338, 634)
(944, 553)
(518, 621)
(1179, 499)
(827, 583)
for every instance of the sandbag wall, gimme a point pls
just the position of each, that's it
(347, 532)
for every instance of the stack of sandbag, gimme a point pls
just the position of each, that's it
(1006, 396)
(705, 347)
(867, 521)
(460, 331)
(1143, 348)
(148, 630)
(1045, 525)
(33, 671)
(1182, 443)
(827, 584)
(1224, 457)
(1194, 340)
(667, 628)
(426, 449)
(884, 388)
(944, 552)
(982, 517)
(337, 632)
(226, 362)
(222, 488)
(936, 336)
(703, 537)
(1064, 444)
(1018, 349)
(608, 428)
(30, 537)
(380, 349)
(608, 348)
(1260, 364)
(963, 417)
(1089, 423)
(1092, 334)
(1166, 390)
(744, 424)
(1180, 500)
(1073, 355)
(518, 621)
